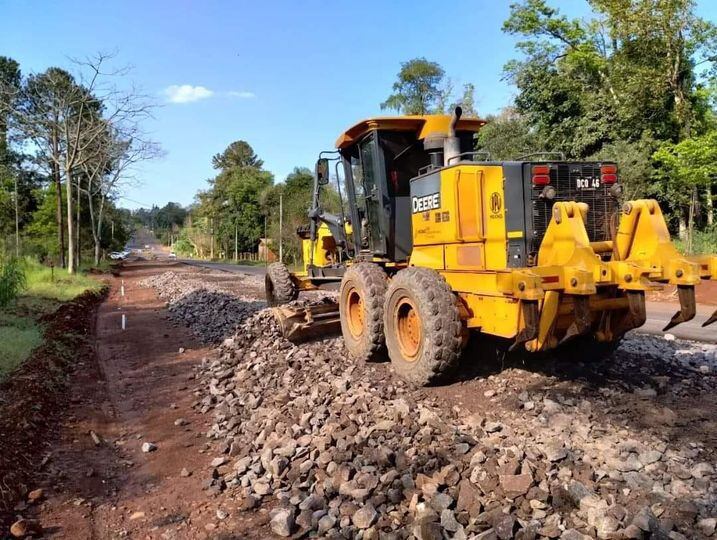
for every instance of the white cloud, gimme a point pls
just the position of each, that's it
(242, 95)
(186, 93)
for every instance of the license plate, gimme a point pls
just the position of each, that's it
(587, 183)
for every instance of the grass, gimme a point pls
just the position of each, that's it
(18, 337)
(43, 282)
(703, 242)
(44, 291)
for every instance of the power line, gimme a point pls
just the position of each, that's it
(136, 202)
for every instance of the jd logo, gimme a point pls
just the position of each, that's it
(496, 203)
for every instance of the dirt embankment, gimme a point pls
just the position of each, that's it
(32, 398)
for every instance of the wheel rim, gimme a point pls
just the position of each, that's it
(355, 313)
(408, 325)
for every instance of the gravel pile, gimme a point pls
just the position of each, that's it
(348, 451)
(210, 310)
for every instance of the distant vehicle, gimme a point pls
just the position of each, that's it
(146, 246)
(117, 255)
(172, 255)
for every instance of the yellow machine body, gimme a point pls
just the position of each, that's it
(462, 227)
(464, 237)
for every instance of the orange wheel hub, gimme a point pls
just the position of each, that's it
(408, 325)
(355, 313)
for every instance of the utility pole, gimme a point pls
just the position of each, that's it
(266, 245)
(281, 227)
(236, 241)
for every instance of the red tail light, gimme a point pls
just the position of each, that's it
(608, 174)
(541, 175)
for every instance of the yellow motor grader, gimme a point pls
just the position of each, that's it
(435, 241)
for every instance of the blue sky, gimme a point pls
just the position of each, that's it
(286, 76)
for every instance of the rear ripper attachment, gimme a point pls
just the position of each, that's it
(606, 298)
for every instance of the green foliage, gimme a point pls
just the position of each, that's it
(690, 163)
(623, 85)
(418, 88)
(18, 337)
(508, 136)
(12, 280)
(231, 209)
(297, 191)
(183, 246)
(703, 242)
(238, 154)
(54, 284)
(635, 166)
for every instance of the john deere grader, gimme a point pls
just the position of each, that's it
(435, 241)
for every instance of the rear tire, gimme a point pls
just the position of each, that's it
(361, 298)
(279, 286)
(423, 326)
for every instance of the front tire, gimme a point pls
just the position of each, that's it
(361, 297)
(278, 285)
(423, 326)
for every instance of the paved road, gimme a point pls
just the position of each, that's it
(658, 313)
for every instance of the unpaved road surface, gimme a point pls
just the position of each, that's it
(258, 438)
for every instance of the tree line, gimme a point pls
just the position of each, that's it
(69, 142)
(238, 209)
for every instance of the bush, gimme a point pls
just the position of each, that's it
(703, 242)
(12, 280)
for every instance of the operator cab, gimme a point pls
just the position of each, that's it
(380, 156)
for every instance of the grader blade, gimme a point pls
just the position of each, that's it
(300, 324)
(688, 306)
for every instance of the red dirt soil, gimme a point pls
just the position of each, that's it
(33, 396)
(138, 385)
(705, 293)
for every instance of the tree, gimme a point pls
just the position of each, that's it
(117, 152)
(237, 154)
(65, 121)
(508, 136)
(467, 101)
(684, 168)
(296, 190)
(229, 212)
(9, 86)
(418, 88)
(619, 85)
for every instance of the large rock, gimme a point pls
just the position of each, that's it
(282, 522)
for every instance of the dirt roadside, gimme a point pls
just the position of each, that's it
(136, 392)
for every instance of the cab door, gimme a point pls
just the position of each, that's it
(369, 195)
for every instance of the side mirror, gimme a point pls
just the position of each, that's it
(322, 171)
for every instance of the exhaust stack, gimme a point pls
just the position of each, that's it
(451, 144)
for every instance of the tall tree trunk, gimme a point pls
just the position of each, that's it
(682, 227)
(70, 225)
(17, 219)
(710, 206)
(77, 225)
(57, 178)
